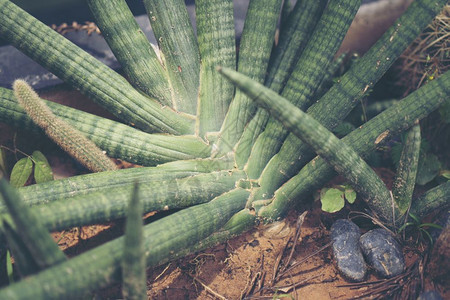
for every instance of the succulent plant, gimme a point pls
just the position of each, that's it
(227, 157)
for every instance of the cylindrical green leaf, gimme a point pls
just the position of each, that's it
(179, 50)
(134, 283)
(216, 39)
(131, 48)
(338, 154)
(254, 54)
(107, 205)
(117, 139)
(90, 76)
(45, 252)
(405, 178)
(346, 93)
(101, 266)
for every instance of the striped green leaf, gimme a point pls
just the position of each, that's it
(216, 39)
(101, 266)
(306, 77)
(346, 93)
(118, 140)
(107, 205)
(292, 42)
(179, 50)
(29, 226)
(131, 48)
(104, 181)
(364, 140)
(254, 54)
(134, 283)
(84, 72)
(405, 178)
(338, 154)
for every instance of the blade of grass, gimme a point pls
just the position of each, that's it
(24, 263)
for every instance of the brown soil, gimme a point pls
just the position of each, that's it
(243, 268)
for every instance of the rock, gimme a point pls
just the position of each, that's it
(349, 259)
(430, 295)
(382, 252)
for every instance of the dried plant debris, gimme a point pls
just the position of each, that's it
(428, 56)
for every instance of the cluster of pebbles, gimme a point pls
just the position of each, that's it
(377, 247)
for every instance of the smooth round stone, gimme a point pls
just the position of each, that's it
(430, 295)
(383, 252)
(347, 253)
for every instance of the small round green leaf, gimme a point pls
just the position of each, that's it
(42, 169)
(21, 172)
(332, 200)
(350, 195)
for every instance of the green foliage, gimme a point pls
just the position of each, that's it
(333, 199)
(30, 229)
(36, 164)
(419, 228)
(343, 129)
(134, 283)
(429, 167)
(444, 111)
(232, 164)
(21, 172)
(68, 138)
(9, 267)
(42, 169)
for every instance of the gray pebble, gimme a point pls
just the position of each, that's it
(347, 253)
(382, 252)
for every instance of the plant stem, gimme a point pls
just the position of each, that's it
(70, 140)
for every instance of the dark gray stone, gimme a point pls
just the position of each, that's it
(382, 252)
(347, 253)
(430, 295)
